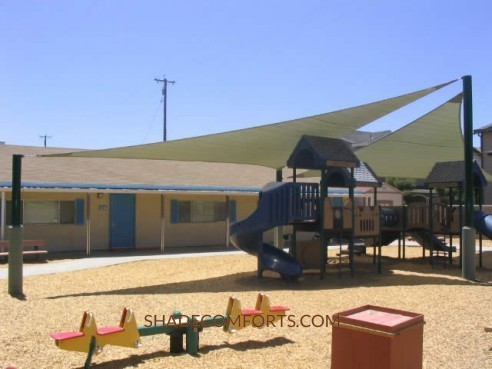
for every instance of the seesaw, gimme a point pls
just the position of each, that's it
(90, 339)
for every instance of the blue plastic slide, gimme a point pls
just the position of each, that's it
(279, 204)
(483, 223)
(429, 240)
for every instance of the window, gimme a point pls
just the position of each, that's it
(48, 212)
(41, 212)
(200, 211)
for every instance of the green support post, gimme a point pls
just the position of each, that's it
(460, 197)
(468, 270)
(431, 226)
(278, 175)
(380, 266)
(404, 232)
(293, 240)
(352, 232)
(322, 236)
(192, 339)
(449, 220)
(15, 249)
(480, 237)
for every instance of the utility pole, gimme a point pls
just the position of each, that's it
(164, 81)
(45, 137)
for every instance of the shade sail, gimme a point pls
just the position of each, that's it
(269, 145)
(412, 151)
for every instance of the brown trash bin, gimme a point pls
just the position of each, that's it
(373, 337)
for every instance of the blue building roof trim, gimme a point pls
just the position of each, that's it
(90, 186)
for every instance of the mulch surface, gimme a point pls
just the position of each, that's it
(455, 310)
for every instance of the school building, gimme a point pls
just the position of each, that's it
(93, 204)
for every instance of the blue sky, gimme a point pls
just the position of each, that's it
(83, 71)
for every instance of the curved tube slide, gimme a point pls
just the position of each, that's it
(247, 234)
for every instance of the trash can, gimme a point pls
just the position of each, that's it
(374, 337)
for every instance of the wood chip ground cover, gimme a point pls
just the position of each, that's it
(456, 311)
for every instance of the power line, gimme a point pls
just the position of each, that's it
(152, 122)
(164, 81)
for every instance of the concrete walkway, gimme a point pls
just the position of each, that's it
(102, 261)
(111, 259)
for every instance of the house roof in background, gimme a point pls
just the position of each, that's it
(486, 128)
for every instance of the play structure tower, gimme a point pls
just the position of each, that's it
(306, 207)
(326, 155)
(338, 167)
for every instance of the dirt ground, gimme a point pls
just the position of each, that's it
(456, 311)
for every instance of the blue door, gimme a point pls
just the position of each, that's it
(122, 219)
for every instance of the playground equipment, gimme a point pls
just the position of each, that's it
(90, 339)
(307, 208)
(125, 334)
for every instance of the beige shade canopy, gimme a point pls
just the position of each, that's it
(268, 145)
(412, 151)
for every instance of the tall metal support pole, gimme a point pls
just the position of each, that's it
(165, 81)
(431, 225)
(468, 271)
(278, 231)
(480, 237)
(293, 239)
(322, 236)
(352, 232)
(15, 248)
(461, 222)
(450, 225)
